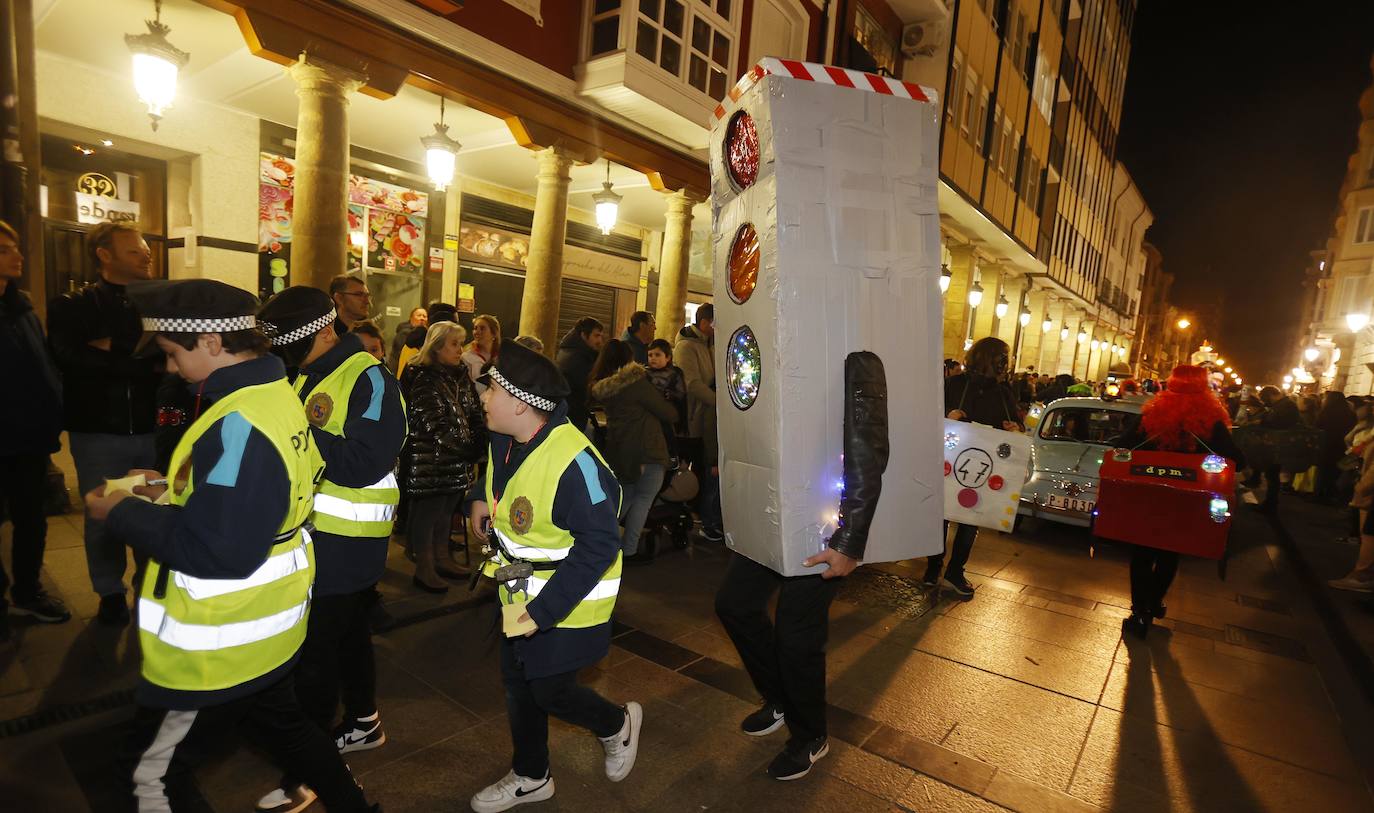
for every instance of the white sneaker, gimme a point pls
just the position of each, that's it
(622, 748)
(284, 801)
(511, 790)
(359, 734)
(1359, 581)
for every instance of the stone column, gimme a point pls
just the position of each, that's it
(956, 301)
(1033, 339)
(1009, 326)
(544, 265)
(673, 266)
(1068, 348)
(985, 316)
(453, 217)
(319, 221)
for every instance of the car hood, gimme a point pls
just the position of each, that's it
(1060, 457)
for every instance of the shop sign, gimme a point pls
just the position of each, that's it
(502, 248)
(436, 260)
(93, 209)
(93, 183)
(466, 302)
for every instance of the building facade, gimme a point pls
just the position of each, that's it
(1337, 348)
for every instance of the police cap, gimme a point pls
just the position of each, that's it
(527, 375)
(190, 306)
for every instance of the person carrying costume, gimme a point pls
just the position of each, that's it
(1186, 417)
(552, 504)
(358, 424)
(223, 602)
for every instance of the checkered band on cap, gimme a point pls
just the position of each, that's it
(528, 397)
(308, 329)
(177, 324)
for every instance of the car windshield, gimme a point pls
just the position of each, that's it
(1084, 424)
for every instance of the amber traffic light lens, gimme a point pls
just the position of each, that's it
(742, 150)
(744, 263)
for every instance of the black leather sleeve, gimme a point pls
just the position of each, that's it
(865, 451)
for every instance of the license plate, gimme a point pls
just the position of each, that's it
(1070, 504)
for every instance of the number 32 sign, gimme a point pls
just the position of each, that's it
(985, 469)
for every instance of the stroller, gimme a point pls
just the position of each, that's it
(670, 520)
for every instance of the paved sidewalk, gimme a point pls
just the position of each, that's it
(1024, 698)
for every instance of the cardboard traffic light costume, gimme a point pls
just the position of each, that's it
(827, 314)
(1166, 500)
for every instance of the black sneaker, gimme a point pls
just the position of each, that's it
(114, 611)
(959, 585)
(42, 607)
(359, 735)
(796, 759)
(1137, 626)
(712, 534)
(763, 722)
(932, 578)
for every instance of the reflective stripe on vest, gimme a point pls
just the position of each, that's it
(210, 634)
(153, 618)
(364, 513)
(276, 568)
(527, 502)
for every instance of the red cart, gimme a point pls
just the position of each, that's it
(1166, 500)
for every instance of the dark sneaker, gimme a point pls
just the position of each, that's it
(932, 578)
(623, 746)
(712, 534)
(114, 612)
(359, 735)
(1137, 625)
(511, 790)
(286, 801)
(959, 585)
(42, 607)
(763, 722)
(796, 759)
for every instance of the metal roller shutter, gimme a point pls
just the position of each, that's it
(581, 299)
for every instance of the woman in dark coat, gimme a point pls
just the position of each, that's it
(980, 394)
(448, 436)
(1186, 417)
(1335, 420)
(636, 448)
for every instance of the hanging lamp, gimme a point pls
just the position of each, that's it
(441, 153)
(607, 203)
(156, 64)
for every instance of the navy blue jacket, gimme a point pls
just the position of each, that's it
(587, 504)
(31, 412)
(226, 529)
(373, 433)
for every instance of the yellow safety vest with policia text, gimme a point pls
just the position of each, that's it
(208, 634)
(357, 512)
(522, 524)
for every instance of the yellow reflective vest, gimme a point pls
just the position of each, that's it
(357, 512)
(209, 634)
(522, 521)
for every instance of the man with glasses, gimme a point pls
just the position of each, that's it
(352, 300)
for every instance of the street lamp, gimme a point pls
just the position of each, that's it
(1082, 336)
(1356, 321)
(607, 203)
(1095, 344)
(1311, 354)
(975, 294)
(1000, 309)
(1184, 324)
(1228, 369)
(156, 64)
(945, 276)
(1064, 332)
(1025, 316)
(441, 153)
(1288, 379)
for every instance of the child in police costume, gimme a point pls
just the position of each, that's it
(358, 424)
(223, 603)
(552, 504)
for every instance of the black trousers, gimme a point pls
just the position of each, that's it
(1272, 486)
(786, 661)
(959, 550)
(23, 482)
(530, 701)
(164, 748)
(337, 658)
(1152, 571)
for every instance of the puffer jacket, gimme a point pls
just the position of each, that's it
(692, 353)
(448, 432)
(635, 413)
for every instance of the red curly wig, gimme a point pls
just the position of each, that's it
(1188, 407)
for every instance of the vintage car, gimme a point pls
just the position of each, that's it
(1066, 451)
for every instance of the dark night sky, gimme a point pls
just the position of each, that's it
(1238, 121)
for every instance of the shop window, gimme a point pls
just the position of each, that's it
(87, 183)
(970, 88)
(1364, 229)
(956, 76)
(981, 125)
